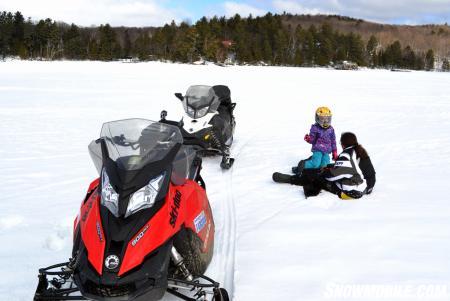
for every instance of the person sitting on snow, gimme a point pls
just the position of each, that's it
(352, 175)
(323, 140)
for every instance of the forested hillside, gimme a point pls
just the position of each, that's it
(271, 39)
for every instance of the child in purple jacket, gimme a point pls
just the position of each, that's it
(323, 140)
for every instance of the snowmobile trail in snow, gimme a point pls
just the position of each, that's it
(226, 250)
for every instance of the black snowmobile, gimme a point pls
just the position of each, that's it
(208, 120)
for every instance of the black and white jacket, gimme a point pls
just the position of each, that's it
(347, 174)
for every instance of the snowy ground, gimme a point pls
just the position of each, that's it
(271, 242)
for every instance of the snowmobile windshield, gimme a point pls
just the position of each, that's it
(199, 101)
(134, 143)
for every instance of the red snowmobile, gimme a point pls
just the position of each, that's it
(145, 226)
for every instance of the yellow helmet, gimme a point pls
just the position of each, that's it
(323, 117)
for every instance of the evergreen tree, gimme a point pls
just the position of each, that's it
(371, 49)
(93, 49)
(446, 65)
(185, 45)
(309, 46)
(54, 43)
(299, 37)
(142, 46)
(73, 43)
(108, 47)
(28, 40)
(429, 60)
(267, 51)
(356, 49)
(420, 62)
(18, 34)
(409, 58)
(6, 33)
(324, 45)
(393, 55)
(341, 48)
(127, 47)
(280, 49)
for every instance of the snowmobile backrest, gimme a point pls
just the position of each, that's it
(223, 93)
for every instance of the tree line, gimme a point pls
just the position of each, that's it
(245, 40)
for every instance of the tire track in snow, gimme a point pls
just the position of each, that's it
(227, 248)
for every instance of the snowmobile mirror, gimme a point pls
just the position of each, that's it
(163, 114)
(179, 96)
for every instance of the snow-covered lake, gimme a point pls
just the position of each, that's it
(271, 242)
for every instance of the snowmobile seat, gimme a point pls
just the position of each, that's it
(224, 95)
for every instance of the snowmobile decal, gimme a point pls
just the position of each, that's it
(205, 243)
(99, 232)
(139, 236)
(200, 221)
(90, 213)
(174, 209)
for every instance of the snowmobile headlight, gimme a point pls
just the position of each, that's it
(110, 198)
(190, 112)
(146, 196)
(202, 112)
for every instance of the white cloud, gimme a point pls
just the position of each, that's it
(403, 11)
(90, 12)
(296, 8)
(232, 8)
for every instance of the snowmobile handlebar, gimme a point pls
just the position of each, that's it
(179, 96)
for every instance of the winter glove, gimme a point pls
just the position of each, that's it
(335, 155)
(307, 138)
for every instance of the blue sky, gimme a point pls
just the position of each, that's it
(158, 12)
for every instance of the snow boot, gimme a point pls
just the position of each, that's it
(297, 170)
(281, 178)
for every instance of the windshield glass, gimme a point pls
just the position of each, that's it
(199, 100)
(134, 143)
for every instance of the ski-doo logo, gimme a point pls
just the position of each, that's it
(112, 262)
(200, 222)
(139, 236)
(89, 205)
(175, 206)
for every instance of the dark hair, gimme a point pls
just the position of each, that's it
(349, 139)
